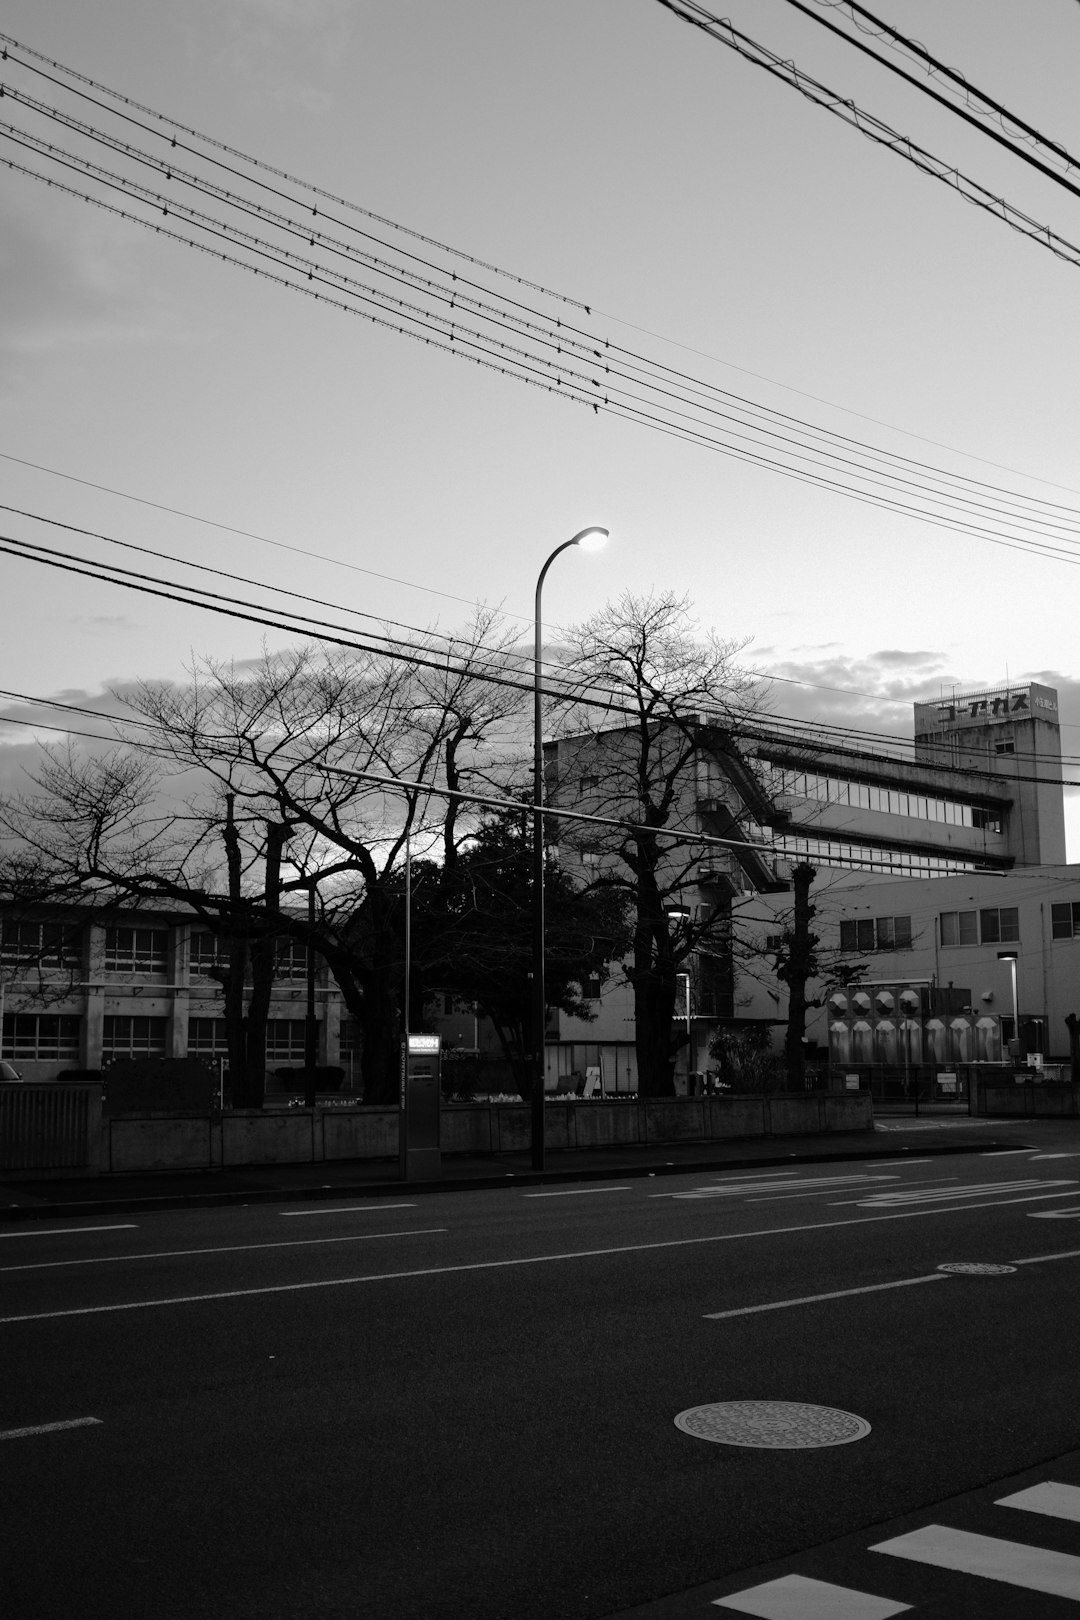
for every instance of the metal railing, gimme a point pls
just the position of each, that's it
(49, 1127)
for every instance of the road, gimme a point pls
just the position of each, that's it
(463, 1404)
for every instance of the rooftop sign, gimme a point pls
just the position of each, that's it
(997, 706)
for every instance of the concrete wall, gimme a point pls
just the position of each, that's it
(163, 1140)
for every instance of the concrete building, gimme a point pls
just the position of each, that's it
(911, 842)
(77, 994)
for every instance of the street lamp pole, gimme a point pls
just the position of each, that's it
(590, 539)
(1010, 957)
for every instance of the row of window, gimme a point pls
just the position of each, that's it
(130, 950)
(850, 853)
(995, 925)
(891, 801)
(57, 1037)
(876, 934)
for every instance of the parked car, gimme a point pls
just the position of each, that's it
(8, 1071)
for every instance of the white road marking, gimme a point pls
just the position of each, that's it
(1035, 1156)
(576, 1192)
(798, 1597)
(47, 1428)
(812, 1299)
(799, 1184)
(1054, 1500)
(1053, 1214)
(225, 1248)
(1039, 1259)
(1007, 1153)
(1037, 1569)
(497, 1265)
(343, 1209)
(63, 1231)
(811, 1192)
(981, 1189)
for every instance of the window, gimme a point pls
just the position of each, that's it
(34, 1036)
(591, 986)
(207, 952)
(994, 926)
(590, 857)
(206, 1038)
(999, 925)
(136, 950)
(285, 1040)
(876, 934)
(40, 944)
(988, 820)
(959, 928)
(134, 1037)
(773, 942)
(589, 784)
(1005, 748)
(348, 1038)
(1065, 920)
(291, 959)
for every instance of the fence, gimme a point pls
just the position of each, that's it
(50, 1127)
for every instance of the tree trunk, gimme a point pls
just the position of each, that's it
(799, 968)
(233, 978)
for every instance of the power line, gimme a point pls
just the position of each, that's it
(722, 31)
(770, 430)
(924, 89)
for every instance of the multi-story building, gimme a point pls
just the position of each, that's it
(77, 993)
(895, 833)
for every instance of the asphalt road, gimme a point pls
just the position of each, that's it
(463, 1404)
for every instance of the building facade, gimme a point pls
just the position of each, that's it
(78, 994)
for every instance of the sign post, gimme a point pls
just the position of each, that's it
(421, 1152)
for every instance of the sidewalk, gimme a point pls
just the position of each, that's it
(24, 1197)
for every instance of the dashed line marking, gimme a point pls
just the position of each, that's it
(63, 1231)
(576, 1192)
(813, 1299)
(47, 1428)
(225, 1248)
(343, 1209)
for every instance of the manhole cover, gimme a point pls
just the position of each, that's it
(972, 1268)
(777, 1425)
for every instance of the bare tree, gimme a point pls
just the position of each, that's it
(240, 788)
(661, 700)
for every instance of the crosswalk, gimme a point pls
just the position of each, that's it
(1021, 1566)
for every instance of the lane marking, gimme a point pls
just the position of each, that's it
(976, 1189)
(799, 1597)
(47, 1428)
(225, 1248)
(799, 1184)
(1037, 1569)
(1054, 1500)
(62, 1231)
(496, 1265)
(1053, 1214)
(1035, 1156)
(1007, 1153)
(576, 1192)
(884, 1196)
(1037, 1259)
(342, 1209)
(812, 1299)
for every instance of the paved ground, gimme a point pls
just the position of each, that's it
(438, 1404)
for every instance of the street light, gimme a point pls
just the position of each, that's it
(590, 539)
(1010, 957)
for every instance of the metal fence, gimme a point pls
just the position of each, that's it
(49, 1127)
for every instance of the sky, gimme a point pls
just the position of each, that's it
(613, 154)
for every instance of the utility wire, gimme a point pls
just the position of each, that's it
(567, 340)
(723, 32)
(943, 101)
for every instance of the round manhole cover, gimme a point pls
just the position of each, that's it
(972, 1268)
(776, 1425)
